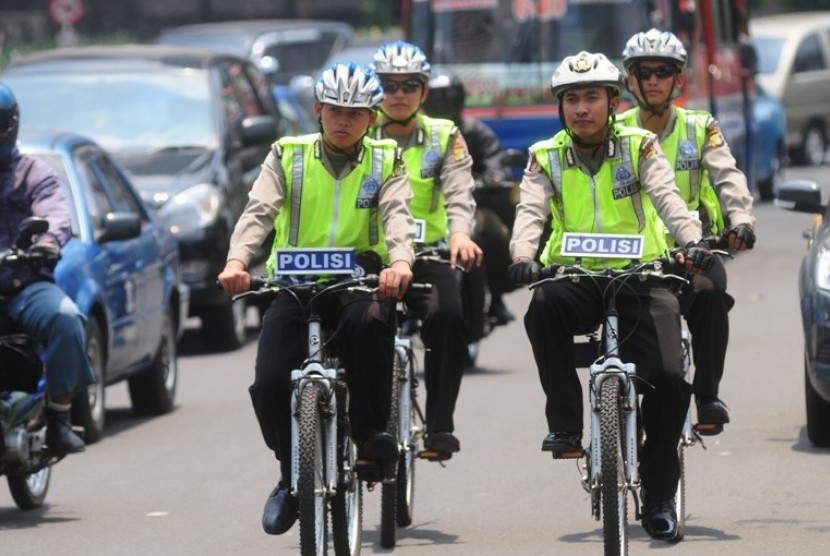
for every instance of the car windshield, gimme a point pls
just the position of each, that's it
(122, 111)
(769, 51)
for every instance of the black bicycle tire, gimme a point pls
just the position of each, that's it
(310, 480)
(406, 464)
(612, 468)
(347, 502)
(389, 489)
(680, 495)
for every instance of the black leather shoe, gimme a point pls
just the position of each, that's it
(563, 444)
(60, 438)
(442, 442)
(660, 520)
(380, 446)
(712, 414)
(499, 313)
(280, 511)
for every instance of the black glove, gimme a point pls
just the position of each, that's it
(46, 253)
(524, 272)
(699, 255)
(743, 234)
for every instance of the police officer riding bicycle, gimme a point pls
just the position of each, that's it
(336, 188)
(598, 176)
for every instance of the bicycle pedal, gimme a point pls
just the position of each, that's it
(568, 454)
(434, 455)
(373, 471)
(708, 429)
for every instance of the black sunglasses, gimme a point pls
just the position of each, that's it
(408, 86)
(662, 72)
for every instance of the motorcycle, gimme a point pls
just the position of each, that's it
(24, 459)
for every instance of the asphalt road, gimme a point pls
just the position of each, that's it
(193, 482)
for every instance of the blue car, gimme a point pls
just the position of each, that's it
(770, 143)
(121, 268)
(814, 295)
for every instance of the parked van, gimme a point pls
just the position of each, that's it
(794, 66)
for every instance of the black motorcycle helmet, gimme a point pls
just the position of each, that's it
(446, 95)
(9, 123)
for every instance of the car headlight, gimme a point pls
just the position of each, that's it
(193, 209)
(823, 270)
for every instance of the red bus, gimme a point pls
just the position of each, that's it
(505, 51)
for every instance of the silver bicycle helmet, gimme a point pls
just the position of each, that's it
(401, 58)
(349, 85)
(654, 44)
(585, 68)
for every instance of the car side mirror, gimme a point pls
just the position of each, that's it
(800, 196)
(119, 226)
(256, 130)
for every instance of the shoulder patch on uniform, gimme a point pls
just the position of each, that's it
(532, 164)
(714, 136)
(459, 149)
(400, 167)
(649, 151)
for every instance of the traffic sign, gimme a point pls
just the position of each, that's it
(66, 12)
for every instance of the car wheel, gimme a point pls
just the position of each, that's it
(814, 147)
(153, 391)
(224, 327)
(768, 187)
(818, 414)
(89, 411)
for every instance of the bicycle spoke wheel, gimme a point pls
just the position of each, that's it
(613, 483)
(311, 480)
(347, 506)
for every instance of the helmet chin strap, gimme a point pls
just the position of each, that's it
(337, 150)
(578, 141)
(647, 106)
(391, 121)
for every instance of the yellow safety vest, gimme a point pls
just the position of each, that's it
(612, 201)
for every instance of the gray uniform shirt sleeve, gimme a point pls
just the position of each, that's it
(457, 184)
(398, 224)
(657, 178)
(264, 201)
(535, 192)
(729, 182)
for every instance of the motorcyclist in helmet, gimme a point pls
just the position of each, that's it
(713, 187)
(355, 193)
(494, 209)
(597, 175)
(30, 297)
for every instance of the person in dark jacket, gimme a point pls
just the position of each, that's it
(495, 210)
(29, 296)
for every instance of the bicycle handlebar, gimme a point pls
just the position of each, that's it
(662, 269)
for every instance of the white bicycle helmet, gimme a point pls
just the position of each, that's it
(349, 85)
(401, 58)
(585, 68)
(654, 44)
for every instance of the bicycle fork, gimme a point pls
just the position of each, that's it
(313, 371)
(612, 366)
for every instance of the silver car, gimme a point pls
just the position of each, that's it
(794, 66)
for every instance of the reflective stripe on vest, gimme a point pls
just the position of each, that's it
(636, 200)
(297, 163)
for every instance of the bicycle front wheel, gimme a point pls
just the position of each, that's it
(311, 480)
(389, 489)
(680, 495)
(613, 487)
(411, 430)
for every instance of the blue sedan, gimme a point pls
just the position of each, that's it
(814, 295)
(121, 268)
